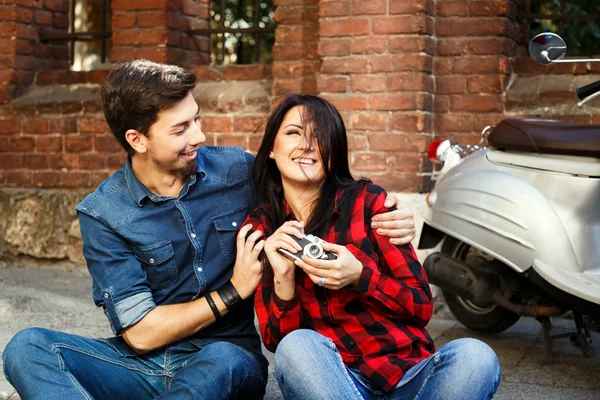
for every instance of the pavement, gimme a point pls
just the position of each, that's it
(60, 298)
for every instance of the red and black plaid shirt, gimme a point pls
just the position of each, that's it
(379, 325)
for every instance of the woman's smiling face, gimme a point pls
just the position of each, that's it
(296, 151)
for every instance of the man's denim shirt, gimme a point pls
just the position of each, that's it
(145, 250)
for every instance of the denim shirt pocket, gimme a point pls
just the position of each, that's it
(227, 226)
(158, 261)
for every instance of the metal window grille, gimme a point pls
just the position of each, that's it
(102, 35)
(577, 21)
(223, 28)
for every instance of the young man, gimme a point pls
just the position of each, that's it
(169, 268)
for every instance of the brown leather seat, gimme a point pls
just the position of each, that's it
(546, 136)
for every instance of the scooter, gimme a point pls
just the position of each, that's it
(515, 221)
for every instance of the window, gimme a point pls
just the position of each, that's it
(576, 21)
(242, 31)
(89, 35)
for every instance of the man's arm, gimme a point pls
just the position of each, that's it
(127, 298)
(398, 225)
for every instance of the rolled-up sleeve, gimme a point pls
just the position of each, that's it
(120, 283)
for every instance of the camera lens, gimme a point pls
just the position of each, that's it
(313, 250)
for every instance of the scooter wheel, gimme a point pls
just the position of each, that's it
(489, 319)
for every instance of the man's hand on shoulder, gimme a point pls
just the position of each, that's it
(398, 225)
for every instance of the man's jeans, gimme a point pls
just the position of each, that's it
(45, 364)
(308, 366)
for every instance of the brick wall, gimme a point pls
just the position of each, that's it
(400, 72)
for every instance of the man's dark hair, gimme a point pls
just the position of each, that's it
(135, 92)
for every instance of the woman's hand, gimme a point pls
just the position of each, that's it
(334, 274)
(247, 270)
(398, 225)
(282, 239)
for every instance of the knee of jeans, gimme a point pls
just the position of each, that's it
(476, 356)
(19, 348)
(231, 358)
(294, 349)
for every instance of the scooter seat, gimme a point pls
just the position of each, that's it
(542, 135)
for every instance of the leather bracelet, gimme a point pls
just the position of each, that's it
(229, 295)
(213, 306)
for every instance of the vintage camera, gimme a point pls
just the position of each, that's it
(311, 247)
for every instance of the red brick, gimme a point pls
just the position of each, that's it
(496, 8)
(37, 125)
(125, 19)
(48, 144)
(471, 27)
(492, 46)
(493, 83)
(369, 7)
(121, 54)
(93, 125)
(60, 21)
(139, 4)
(345, 66)
(344, 27)
(9, 126)
(151, 18)
(289, 15)
(348, 103)
(371, 121)
(232, 140)
(216, 124)
(412, 7)
(152, 53)
(92, 161)
(63, 161)
(289, 52)
(409, 81)
(452, 9)
(293, 69)
(397, 25)
(334, 8)
(116, 161)
(207, 73)
(76, 143)
(369, 83)
(46, 179)
(18, 178)
(296, 34)
(3, 144)
(247, 72)
(368, 45)
(368, 161)
(443, 66)
(474, 103)
(410, 122)
(21, 144)
(401, 63)
(11, 161)
(357, 142)
(445, 123)
(450, 84)
(334, 47)
(96, 178)
(397, 142)
(193, 7)
(35, 161)
(332, 85)
(43, 17)
(106, 144)
(57, 5)
(479, 64)
(393, 101)
(411, 44)
(75, 179)
(139, 36)
(250, 123)
(441, 104)
(452, 46)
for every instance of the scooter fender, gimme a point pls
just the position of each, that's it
(500, 214)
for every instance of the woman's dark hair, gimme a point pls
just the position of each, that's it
(328, 127)
(135, 92)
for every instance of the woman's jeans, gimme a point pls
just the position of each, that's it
(308, 366)
(50, 365)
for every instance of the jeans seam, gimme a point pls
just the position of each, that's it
(55, 346)
(346, 373)
(431, 372)
(61, 364)
(166, 367)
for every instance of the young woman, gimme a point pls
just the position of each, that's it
(354, 326)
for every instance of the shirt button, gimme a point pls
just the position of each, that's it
(193, 235)
(325, 304)
(106, 295)
(234, 223)
(199, 269)
(352, 344)
(151, 261)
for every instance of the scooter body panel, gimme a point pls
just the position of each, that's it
(523, 216)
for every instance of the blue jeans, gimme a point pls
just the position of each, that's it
(308, 366)
(45, 364)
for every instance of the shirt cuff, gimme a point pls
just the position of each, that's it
(287, 307)
(134, 308)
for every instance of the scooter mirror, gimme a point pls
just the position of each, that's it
(547, 47)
